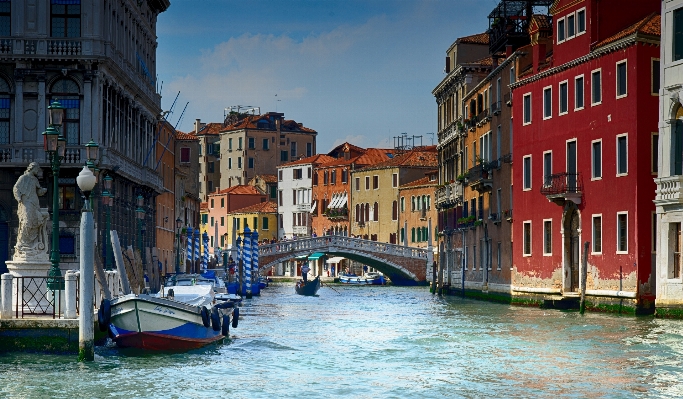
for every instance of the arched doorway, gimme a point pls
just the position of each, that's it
(572, 225)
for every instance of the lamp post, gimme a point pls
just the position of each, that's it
(140, 215)
(55, 146)
(86, 349)
(107, 201)
(178, 226)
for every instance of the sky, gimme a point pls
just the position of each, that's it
(356, 71)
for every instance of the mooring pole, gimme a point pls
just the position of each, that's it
(584, 272)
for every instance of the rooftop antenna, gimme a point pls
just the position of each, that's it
(277, 100)
(431, 138)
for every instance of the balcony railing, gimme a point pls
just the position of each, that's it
(669, 190)
(337, 213)
(449, 195)
(479, 177)
(507, 98)
(561, 187)
(303, 207)
(495, 107)
(483, 117)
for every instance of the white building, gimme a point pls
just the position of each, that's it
(669, 195)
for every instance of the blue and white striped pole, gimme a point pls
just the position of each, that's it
(238, 248)
(190, 250)
(254, 256)
(205, 258)
(196, 249)
(247, 260)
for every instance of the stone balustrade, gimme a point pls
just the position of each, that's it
(325, 242)
(669, 190)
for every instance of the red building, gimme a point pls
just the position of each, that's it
(585, 142)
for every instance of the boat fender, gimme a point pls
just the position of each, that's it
(235, 317)
(104, 314)
(205, 317)
(215, 319)
(226, 325)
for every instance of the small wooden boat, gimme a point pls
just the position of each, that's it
(309, 288)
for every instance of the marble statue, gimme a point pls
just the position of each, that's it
(32, 239)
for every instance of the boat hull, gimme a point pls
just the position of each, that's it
(145, 322)
(311, 288)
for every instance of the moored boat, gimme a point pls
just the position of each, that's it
(181, 318)
(351, 278)
(374, 278)
(309, 288)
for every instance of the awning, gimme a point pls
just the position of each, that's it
(343, 201)
(315, 255)
(335, 259)
(333, 203)
(302, 257)
(313, 206)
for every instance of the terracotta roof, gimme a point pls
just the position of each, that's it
(422, 157)
(241, 189)
(265, 122)
(315, 159)
(539, 22)
(650, 25)
(374, 156)
(268, 178)
(488, 61)
(180, 136)
(204, 206)
(262, 207)
(212, 128)
(340, 148)
(420, 182)
(479, 38)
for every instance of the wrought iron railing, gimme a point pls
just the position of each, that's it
(562, 183)
(507, 98)
(33, 298)
(495, 107)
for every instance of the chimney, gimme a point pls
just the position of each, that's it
(448, 64)
(197, 124)
(508, 50)
(538, 55)
(540, 33)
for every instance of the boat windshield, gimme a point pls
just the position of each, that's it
(183, 283)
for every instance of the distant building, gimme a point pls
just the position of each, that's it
(266, 184)
(187, 199)
(256, 144)
(416, 209)
(209, 157)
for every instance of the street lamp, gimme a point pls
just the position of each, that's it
(107, 201)
(178, 227)
(55, 146)
(140, 215)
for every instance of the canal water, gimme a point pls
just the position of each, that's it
(381, 342)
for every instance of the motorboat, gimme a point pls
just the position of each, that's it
(374, 278)
(351, 278)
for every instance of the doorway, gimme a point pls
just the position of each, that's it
(572, 243)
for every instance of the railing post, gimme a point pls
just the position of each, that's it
(6, 296)
(70, 293)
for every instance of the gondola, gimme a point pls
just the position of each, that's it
(310, 288)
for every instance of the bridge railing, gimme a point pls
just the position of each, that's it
(358, 244)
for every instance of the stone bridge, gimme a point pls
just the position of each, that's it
(402, 264)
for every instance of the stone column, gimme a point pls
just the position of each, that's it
(6, 296)
(70, 294)
(19, 108)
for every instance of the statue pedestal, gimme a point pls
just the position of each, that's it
(36, 297)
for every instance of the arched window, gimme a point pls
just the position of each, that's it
(394, 210)
(412, 234)
(4, 112)
(66, 91)
(358, 212)
(403, 204)
(429, 202)
(419, 234)
(412, 203)
(367, 212)
(403, 234)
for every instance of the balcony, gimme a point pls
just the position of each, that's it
(303, 207)
(507, 97)
(507, 214)
(471, 123)
(495, 218)
(337, 214)
(669, 191)
(495, 107)
(449, 195)
(300, 230)
(479, 177)
(562, 187)
(483, 117)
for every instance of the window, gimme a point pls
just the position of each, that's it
(279, 197)
(571, 25)
(527, 238)
(309, 149)
(512, 75)
(239, 146)
(297, 174)
(655, 153)
(184, 152)
(65, 18)
(527, 109)
(547, 237)
(527, 172)
(211, 167)
(252, 143)
(284, 156)
(211, 203)
(357, 183)
(675, 239)
(5, 18)
(561, 30)
(547, 168)
(655, 77)
(292, 147)
(66, 90)
(367, 183)
(222, 202)
(597, 234)
(375, 212)
(255, 227)
(596, 87)
(309, 172)
(230, 144)
(677, 34)
(564, 98)
(211, 221)
(67, 197)
(239, 162)
(222, 221)
(499, 257)
(326, 177)
(596, 160)
(345, 176)
(375, 182)
(394, 210)
(293, 197)
(622, 232)
(333, 176)
(621, 79)
(622, 156)
(265, 144)
(265, 223)
(394, 180)
(578, 93)
(251, 162)
(279, 175)
(229, 163)
(581, 21)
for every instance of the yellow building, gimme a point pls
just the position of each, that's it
(261, 217)
(375, 193)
